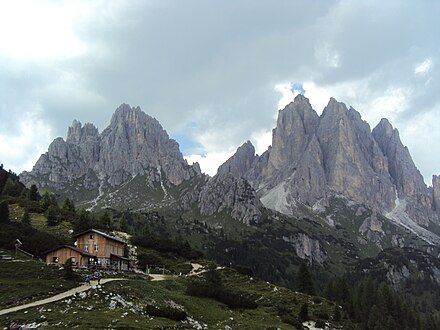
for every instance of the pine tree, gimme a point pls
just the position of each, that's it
(68, 205)
(303, 314)
(83, 223)
(336, 313)
(4, 212)
(45, 200)
(68, 270)
(304, 280)
(26, 218)
(52, 216)
(105, 221)
(33, 193)
(123, 224)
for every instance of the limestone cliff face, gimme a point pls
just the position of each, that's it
(240, 163)
(407, 179)
(353, 162)
(224, 192)
(133, 144)
(307, 248)
(436, 192)
(296, 125)
(313, 157)
(134, 141)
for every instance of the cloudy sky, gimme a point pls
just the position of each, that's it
(215, 73)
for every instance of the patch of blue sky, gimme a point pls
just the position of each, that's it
(187, 145)
(297, 87)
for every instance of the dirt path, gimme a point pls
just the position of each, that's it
(161, 277)
(197, 269)
(60, 296)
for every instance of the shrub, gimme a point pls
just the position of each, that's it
(322, 315)
(317, 300)
(303, 314)
(167, 312)
(320, 324)
(236, 300)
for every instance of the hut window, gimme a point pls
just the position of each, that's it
(55, 260)
(95, 247)
(86, 248)
(91, 236)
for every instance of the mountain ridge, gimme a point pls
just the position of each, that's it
(313, 158)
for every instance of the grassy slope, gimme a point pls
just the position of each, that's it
(24, 280)
(38, 221)
(93, 312)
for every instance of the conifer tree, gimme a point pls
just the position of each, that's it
(105, 221)
(33, 193)
(304, 280)
(45, 200)
(303, 314)
(26, 218)
(68, 205)
(4, 211)
(52, 216)
(123, 224)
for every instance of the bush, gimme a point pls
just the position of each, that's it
(292, 320)
(232, 299)
(317, 300)
(236, 300)
(167, 312)
(322, 315)
(149, 259)
(34, 241)
(303, 314)
(320, 324)
(69, 274)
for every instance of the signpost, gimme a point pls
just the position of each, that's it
(17, 244)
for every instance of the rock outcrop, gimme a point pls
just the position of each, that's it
(240, 163)
(133, 144)
(307, 248)
(407, 179)
(224, 192)
(314, 157)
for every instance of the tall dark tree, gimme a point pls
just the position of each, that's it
(123, 223)
(45, 200)
(303, 314)
(304, 280)
(84, 221)
(4, 211)
(105, 221)
(26, 218)
(68, 205)
(69, 274)
(33, 193)
(53, 216)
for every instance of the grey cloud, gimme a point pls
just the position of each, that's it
(216, 62)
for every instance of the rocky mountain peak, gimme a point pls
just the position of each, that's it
(78, 133)
(133, 144)
(436, 192)
(240, 162)
(296, 123)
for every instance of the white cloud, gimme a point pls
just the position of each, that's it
(21, 151)
(261, 140)
(38, 29)
(424, 67)
(287, 95)
(422, 135)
